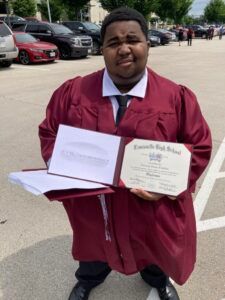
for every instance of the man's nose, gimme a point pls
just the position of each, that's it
(124, 48)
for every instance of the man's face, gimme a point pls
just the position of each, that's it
(125, 51)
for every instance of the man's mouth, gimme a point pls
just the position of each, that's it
(125, 62)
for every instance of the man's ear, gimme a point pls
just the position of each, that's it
(149, 44)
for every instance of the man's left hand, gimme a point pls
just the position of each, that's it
(149, 196)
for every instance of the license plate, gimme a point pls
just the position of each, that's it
(89, 50)
(52, 54)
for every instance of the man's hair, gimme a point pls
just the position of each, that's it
(124, 14)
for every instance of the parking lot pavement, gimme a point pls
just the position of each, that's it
(35, 237)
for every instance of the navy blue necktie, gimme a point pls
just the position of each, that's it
(122, 101)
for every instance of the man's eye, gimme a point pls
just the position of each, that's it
(133, 41)
(114, 44)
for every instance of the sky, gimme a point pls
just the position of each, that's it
(198, 7)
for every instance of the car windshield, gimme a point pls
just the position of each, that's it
(91, 26)
(25, 38)
(61, 29)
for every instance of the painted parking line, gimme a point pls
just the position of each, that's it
(153, 295)
(214, 173)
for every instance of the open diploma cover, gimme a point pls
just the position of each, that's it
(159, 167)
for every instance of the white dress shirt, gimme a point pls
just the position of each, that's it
(110, 90)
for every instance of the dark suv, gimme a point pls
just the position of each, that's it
(69, 44)
(199, 31)
(89, 29)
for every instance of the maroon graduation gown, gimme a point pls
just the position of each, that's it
(131, 233)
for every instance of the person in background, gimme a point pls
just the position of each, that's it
(189, 36)
(211, 32)
(221, 29)
(180, 36)
(130, 230)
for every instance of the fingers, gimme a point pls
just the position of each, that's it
(149, 196)
(146, 195)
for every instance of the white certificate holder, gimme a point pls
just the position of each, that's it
(87, 155)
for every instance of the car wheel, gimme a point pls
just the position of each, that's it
(24, 57)
(64, 52)
(5, 63)
(96, 48)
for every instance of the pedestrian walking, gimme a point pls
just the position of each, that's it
(211, 32)
(189, 36)
(180, 36)
(130, 230)
(221, 32)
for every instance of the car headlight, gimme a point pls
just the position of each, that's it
(76, 41)
(37, 50)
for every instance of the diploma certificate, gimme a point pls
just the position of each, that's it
(159, 167)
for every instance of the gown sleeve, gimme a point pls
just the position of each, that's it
(194, 130)
(56, 113)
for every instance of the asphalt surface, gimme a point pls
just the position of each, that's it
(35, 236)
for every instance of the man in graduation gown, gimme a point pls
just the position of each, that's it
(133, 230)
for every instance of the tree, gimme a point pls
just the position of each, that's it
(73, 7)
(145, 7)
(175, 10)
(56, 9)
(24, 8)
(215, 11)
(110, 5)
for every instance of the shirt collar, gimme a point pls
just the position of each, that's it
(109, 89)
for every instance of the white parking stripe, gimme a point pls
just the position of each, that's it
(153, 295)
(212, 175)
(211, 224)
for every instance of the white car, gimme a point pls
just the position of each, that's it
(8, 49)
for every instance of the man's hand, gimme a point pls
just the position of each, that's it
(149, 196)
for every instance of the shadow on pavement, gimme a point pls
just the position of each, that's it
(43, 271)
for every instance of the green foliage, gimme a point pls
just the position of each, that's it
(175, 10)
(215, 11)
(56, 9)
(110, 5)
(188, 20)
(24, 8)
(73, 7)
(145, 7)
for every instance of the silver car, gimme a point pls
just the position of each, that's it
(8, 49)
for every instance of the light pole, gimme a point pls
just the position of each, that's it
(49, 12)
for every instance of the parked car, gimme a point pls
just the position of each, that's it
(9, 20)
(199, 31)
(154, 40)
(32, 50)
(69, 44)
(176, 32)
(89, 29)
(8, 49)
(164, 37)
(170, 34)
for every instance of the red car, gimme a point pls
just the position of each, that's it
(32, 50)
